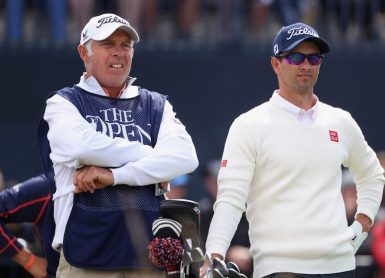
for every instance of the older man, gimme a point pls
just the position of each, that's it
(110, 143)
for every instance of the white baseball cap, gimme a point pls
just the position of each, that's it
(102, 26)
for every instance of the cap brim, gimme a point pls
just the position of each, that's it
(323, 45)
(108, 32)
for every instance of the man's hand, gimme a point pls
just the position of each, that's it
(89, 178)
(205, 266)
(35, 265)
(39, 268)
(365, 222)
(203, 270)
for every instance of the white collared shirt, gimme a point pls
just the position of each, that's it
(304, 116)
(91, 85)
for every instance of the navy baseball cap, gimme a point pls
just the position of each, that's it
(292, 35)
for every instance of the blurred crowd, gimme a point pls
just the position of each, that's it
(192, 22)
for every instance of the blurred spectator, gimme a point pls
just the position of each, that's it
(310, 11)
(288, 11)
(352, 20)
(2, 182)
(55, 10)
(141, 14)
(267, 13)
(178, 188)
(260, 10)
(24, 232)
(210, 175)
(231, 20)
(381, 158)
(378, 247)
(380, 21)
(240, 244)
(80, 12)
(340, 11)
(188, 12)
(378, 243)
(349, 194)
(365, 264)
(183, 16)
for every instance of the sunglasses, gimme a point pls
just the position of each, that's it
(299, 58)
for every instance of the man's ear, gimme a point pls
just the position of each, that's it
(83, 52)
(275, 64)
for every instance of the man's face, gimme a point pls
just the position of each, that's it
(299, 78)
(111, 59)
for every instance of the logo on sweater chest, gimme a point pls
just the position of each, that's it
(333, 135)
(114, 122)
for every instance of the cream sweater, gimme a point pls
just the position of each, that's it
(289, 176)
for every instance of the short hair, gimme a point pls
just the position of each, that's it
(88, 45)
(381, 155)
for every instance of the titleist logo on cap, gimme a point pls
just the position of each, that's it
(298, 31)
(111, 19)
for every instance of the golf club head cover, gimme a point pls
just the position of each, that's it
(166, 252)
(166, 227)
(166, 249)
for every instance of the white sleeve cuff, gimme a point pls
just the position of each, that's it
(222, 228)
(122, 175)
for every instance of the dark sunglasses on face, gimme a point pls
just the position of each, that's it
(298, 58)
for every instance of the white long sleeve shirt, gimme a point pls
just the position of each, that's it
(74, 143)
(284, 163)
